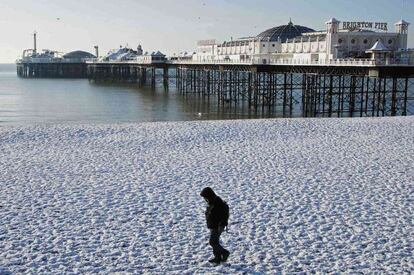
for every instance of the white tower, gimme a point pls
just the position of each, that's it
(332, 28)
(401, 28)
(139, 50)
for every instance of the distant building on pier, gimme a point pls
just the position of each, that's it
(123, 54)
(52, 64)
(131, 55)
(294, 43)
(78, 56)
(152, 58)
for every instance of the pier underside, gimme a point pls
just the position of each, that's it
(310, 91)
(307, 91)
(312, 94)
(52, 70)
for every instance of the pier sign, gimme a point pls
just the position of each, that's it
(366, 25)
(207, 42)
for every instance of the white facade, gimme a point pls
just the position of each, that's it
(154, 57)
(311, 46)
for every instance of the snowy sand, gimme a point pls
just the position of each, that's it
(322, 195)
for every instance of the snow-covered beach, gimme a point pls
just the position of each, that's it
(306, 195)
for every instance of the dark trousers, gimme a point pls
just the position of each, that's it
(215, 234)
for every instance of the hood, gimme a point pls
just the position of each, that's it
(208, 193)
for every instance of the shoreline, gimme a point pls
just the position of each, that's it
(138, 123)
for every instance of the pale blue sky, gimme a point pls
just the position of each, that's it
(171, 25)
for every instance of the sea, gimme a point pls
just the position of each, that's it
(79, 101)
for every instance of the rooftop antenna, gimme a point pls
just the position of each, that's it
(403, 9)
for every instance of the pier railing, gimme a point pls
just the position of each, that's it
(298, 62)
(143, 62)
(54, 60)
(252, 62)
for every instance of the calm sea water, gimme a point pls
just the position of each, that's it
(29, 101)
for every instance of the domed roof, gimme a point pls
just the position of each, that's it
(284, 32)
(78, 54)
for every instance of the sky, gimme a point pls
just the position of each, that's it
(171, 26)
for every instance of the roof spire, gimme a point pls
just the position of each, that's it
(290, 21)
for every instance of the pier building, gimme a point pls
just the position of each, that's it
(123, 54)
(52, 64)
(299, 44)
(78, 57)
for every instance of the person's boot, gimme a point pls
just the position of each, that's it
(215, 260)
(225, 256)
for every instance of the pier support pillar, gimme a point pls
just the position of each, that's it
(165, 78)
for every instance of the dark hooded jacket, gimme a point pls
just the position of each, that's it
(217, 212)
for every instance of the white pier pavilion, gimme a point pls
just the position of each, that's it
(339, 43)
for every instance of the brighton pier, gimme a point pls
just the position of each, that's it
(336, 72)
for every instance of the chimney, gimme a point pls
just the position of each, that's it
(34, 42)
(96, 51)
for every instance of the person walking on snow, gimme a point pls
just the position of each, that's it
(217, 215)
